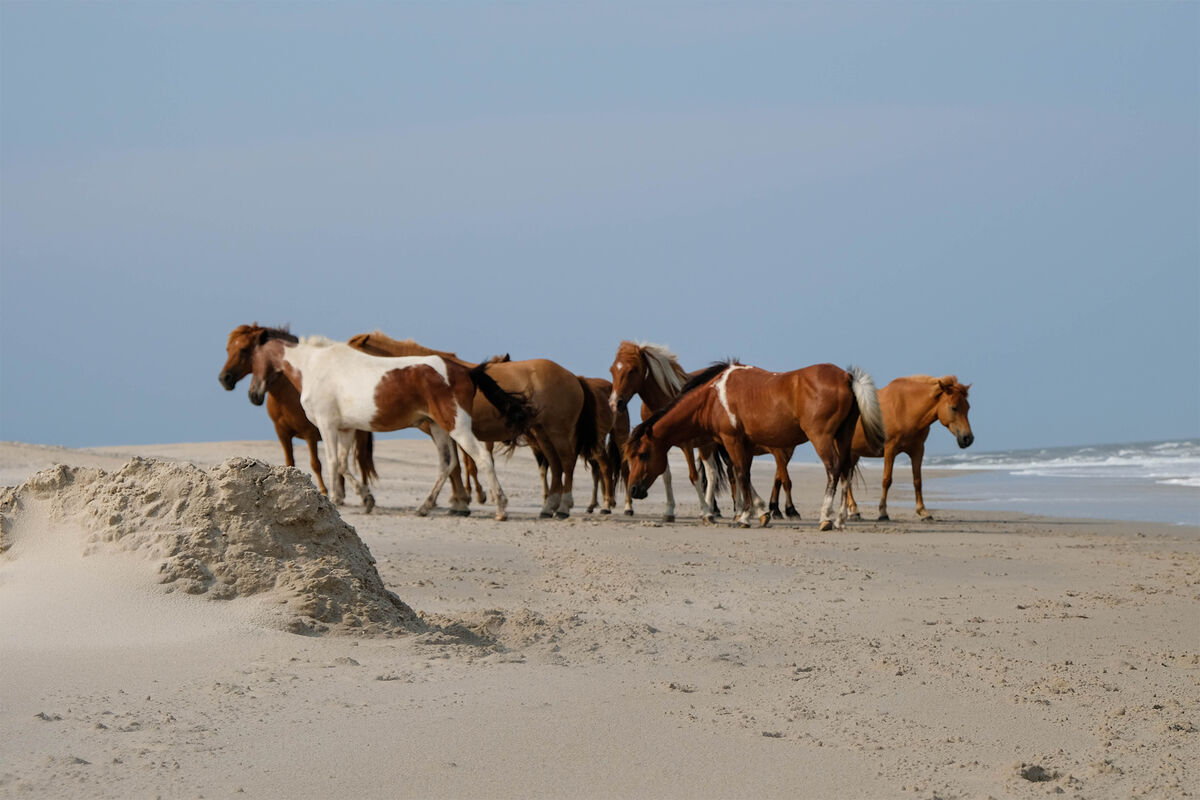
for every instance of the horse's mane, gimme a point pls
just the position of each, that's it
(663, 366)
(281, 332)
(696, 381)
(945, 380)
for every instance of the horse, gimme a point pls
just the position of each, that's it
(604, 460)
(379, 343)
(286, 413)
(653, 373)
(562, 425)
(343, 389)
(742, 406)
(910, 407)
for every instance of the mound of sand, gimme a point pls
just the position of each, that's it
(241, 529)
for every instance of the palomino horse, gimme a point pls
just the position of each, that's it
(743, 407)
(343, 390)
(653, 373)
(562, 425)
(910, 406)
(285, 411)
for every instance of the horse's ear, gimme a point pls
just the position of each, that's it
(947, 383)
(263, 336)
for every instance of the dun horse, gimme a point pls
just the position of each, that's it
(561, 427)
(910, 406)
(285, 411)
(653, 373)
(343, 390)
(743, 407)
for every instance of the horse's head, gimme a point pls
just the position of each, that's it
(647, 457)
(242, 341)
(628, 372)
(953, 408)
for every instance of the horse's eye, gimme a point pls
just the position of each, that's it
(246, 350)
(954, 409)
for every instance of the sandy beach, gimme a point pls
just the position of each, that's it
(170, 632)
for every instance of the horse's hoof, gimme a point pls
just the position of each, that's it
(776, 513)
(826, 525)
(606, 511)
(501, 516)
(629, 512)
(792, 512)
(460, 512)
(368, 504)
(883, 517)
(707, 519)
(545, 514)
(854, 516)
(561, 514)
(742, 524)
(926, 517)
(764, 520)
(590, 509)
(668, 517)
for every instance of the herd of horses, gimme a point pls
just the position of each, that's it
(721, 417)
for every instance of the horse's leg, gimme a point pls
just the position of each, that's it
(740, 452)
(446, 457)
(483, 460)
(329, 437)
(567, 458)
(710, 491)
(917, 454)
(594, 468)
(343, 445)
(789, 508)
(823, 444)
(776, 485)
(852, 511)
(695, 477)
(669, 514)
(889, 461)
(473, 475)
(549, 468)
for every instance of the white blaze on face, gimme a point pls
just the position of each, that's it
(722, 394)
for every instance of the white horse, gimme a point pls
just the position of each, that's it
(343, 390)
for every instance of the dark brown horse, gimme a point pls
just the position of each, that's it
(745, 407)
(910, 406)
(563, 425)
(605, 459)
(286, 413)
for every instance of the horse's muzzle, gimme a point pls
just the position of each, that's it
(966, 440)
(257, 393)
(227, 380)
(639, 491)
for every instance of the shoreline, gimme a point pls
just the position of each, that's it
(980, 654)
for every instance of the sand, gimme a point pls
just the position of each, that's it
(181, 621)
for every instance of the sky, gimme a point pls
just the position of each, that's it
(1007, 191)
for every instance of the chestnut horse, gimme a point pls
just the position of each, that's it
(743, 407)
(343, 390)
(286, 413)
(910, 407)
(653, 373)
(562, 425)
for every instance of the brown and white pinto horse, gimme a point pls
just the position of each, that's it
(653, 373)
(562, 425)
(910, 407)
(743, 407)
(285, 411)
(343, 390)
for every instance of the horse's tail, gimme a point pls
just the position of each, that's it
(516, 409)
(364, 453)
(868, 407)
(612, 459)
(724, 468)
(586, 433)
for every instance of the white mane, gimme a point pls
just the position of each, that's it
(664, 367)
(318, 341)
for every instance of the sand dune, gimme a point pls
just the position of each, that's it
(184, 625)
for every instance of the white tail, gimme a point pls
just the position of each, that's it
(868, 407)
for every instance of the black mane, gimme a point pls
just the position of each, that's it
(696, 381)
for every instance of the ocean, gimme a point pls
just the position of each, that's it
(1140, 482)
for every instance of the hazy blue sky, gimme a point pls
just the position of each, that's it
(1006, 191)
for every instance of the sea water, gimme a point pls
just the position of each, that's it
(1142, 482)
